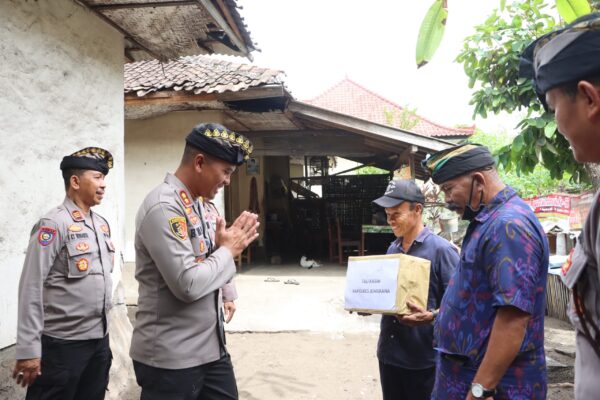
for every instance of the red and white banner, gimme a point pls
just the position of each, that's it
(552, 203)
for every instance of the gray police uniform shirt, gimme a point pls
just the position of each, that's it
(179, 322)
(66, 287)
(582, 266)
(210, 213)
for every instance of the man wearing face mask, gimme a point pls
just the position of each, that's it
(490, 330)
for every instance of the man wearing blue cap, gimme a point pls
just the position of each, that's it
(490, 330)
(65, 290)
(178, 343)
(565, 68)
(405, 349)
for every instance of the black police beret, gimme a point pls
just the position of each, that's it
(93, 158)
(220, 142)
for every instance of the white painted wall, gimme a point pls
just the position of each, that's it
(61, 89)
(154, 147)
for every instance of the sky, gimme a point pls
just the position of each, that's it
(317, 43)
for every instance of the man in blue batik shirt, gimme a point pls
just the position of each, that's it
(405, 350)
(490, 330)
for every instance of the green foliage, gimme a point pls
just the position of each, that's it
(405, 119)
(431, 32)
(370, 170)
(570, 10)
(490, 59)
(538, 182)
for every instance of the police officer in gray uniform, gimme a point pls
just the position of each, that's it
(178, 344)
(565, 68)
(65, 290)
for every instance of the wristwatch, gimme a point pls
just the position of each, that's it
(479, 392)
(434, 313)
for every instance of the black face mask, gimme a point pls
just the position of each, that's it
(469, 214)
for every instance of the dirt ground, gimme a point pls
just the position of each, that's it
(296, 342)
(305, 365)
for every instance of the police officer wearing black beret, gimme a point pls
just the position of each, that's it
(65, 290)
(178, 344)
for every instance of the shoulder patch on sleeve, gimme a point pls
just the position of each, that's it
(46, 235)
(178, 226)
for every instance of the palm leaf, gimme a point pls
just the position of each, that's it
(431, 31)
(570, 10)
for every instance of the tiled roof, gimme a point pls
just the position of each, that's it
(350, 98)
(196, 74)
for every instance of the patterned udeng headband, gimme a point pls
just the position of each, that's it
(232, 138)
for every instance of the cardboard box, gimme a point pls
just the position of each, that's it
(383, 284)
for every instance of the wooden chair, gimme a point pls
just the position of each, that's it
(344, 243)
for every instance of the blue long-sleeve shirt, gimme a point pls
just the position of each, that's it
(412, 347)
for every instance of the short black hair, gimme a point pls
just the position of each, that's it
(68, 173)
(570, 88)
(190, 152)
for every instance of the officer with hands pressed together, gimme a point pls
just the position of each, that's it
(178, 344)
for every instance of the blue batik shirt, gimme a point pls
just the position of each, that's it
(504, 262)
(412, 347)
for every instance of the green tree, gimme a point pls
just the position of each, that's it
(538, 182)
(371, 170)
(433, 25)
(406, 118)
(490, 59)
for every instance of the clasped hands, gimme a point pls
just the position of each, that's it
(239, 235)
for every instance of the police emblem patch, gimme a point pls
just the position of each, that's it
(104, 228)
(82, 264)
(46, 235)
(74, 228)
(185, 198)
(77, 216)
(82, 246)
(178, 227)
(194, 219)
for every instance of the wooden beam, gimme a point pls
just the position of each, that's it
(365, 128)
(229, 18)
(256, 92)
(290, 116)
(353, 168)
(131, 99)
(302, 135)
(345, 153)
(126, 5)
(216, 15)
(230, 115)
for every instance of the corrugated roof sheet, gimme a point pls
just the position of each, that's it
(196, 74)
(350, 98)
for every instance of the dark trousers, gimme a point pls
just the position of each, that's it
(72, 370)
(406, 384)
(212, 381)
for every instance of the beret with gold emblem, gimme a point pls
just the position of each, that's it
(93, 158)
(220, 142)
